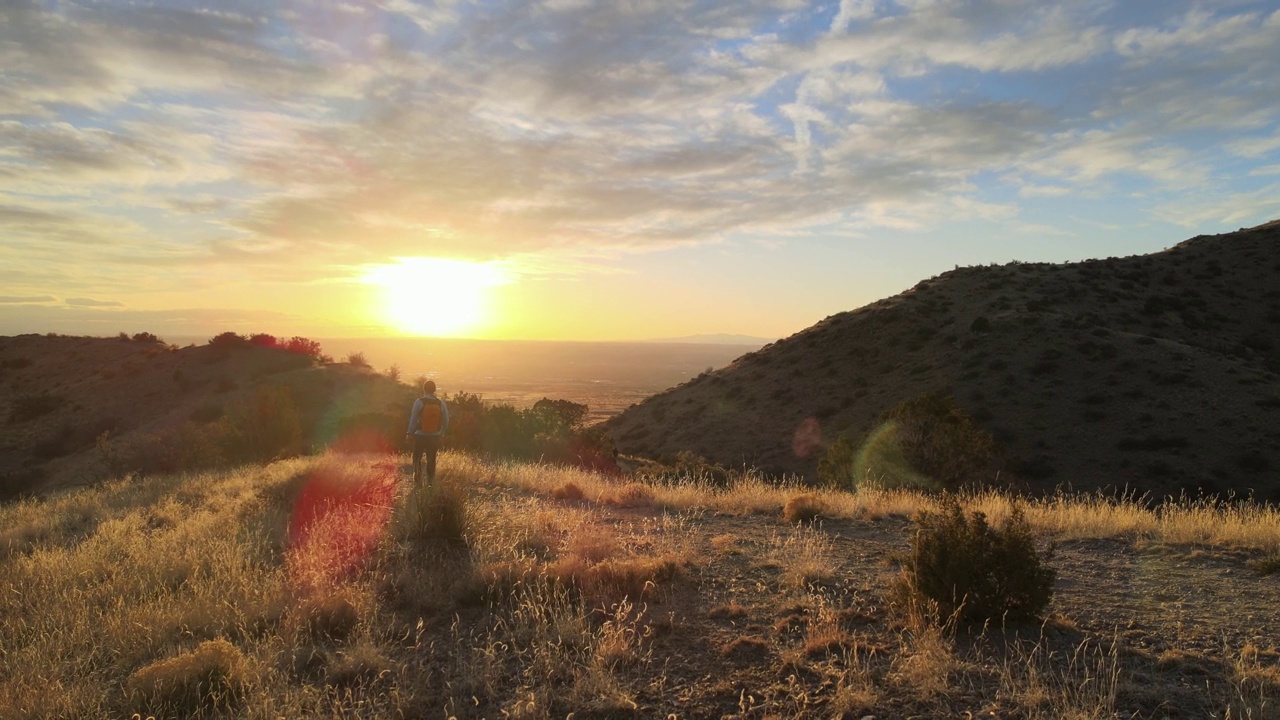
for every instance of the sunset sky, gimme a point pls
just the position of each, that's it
(571, 169)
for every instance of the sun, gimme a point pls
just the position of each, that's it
(436, 296)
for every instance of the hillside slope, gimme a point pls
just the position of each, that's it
(59, 394)
(1156, 372)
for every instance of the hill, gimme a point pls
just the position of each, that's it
(79, 409)
(1156, 372)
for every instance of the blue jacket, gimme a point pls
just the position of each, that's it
(415, 418)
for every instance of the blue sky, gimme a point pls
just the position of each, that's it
(637, 169)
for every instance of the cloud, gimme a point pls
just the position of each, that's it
(1239, 208)
(25, 299)
(185, 322)
(307, 142)
(90, 302)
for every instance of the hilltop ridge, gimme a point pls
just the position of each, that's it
(70, 405)
(1159, 372)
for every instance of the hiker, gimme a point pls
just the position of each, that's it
(428, 422)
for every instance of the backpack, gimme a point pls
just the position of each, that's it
(432, 418)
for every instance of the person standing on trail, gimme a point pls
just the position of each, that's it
(428, 422)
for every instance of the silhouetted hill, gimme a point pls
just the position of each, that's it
(1156, 372)
(59, 394)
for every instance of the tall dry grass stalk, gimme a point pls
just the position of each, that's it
(1080, 683)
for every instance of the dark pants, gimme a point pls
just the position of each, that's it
(425, 447)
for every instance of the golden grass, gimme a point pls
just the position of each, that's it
(213, 675)
(804, 557)
(1243, 524)
(203, 591)
(1081, 683)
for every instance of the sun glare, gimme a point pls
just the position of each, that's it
(436, 296)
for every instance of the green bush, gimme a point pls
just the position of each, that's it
(927, 442)
(549, 431)
(183, 447)
(941, 441)
(976, 572)
(836, 467)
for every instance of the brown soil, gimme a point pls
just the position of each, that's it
(732, 635)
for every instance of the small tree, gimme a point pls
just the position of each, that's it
(228, 339)
(303, 346)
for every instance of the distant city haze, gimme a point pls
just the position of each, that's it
(607, 376)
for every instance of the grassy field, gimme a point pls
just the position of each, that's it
(328, 586)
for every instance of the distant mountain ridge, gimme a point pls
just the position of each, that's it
(1158, 372)
(716, 339)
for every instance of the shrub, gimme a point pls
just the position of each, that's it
(334, 616)
(183, 447)
(567, 412)
(263, 340)
(974, 571)
(266, 426)
(549, 431)
(1267, 565)
(939, 440)
(357, 359)
(30, 407)
(17, 363)
(568, 491)
(802, 508)
(303, 346)
(213, 675)
(835, 468)
(228, 340)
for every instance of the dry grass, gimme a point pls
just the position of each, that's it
(1081, 683)
(733, 610)
(537, 609)
(213, 675)
(804, 557)
(1244, 525)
